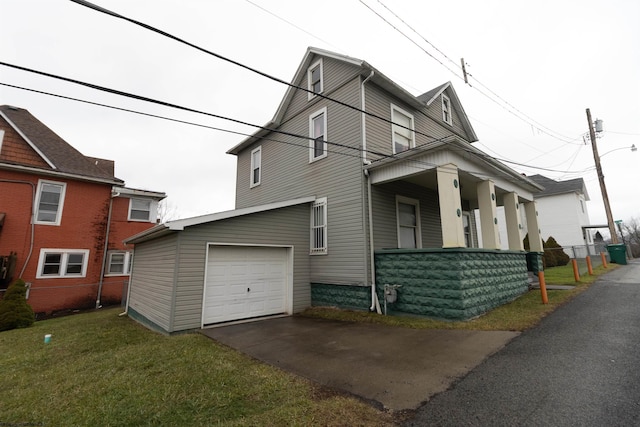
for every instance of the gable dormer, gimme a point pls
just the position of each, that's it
(444, 107)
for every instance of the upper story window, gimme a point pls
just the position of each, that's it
(62, 263)
(402, 130)
(315, 79)
(318, 134)
(50, 202)
(256, 166)
(140, 210)
(446, 109)
(319, 227)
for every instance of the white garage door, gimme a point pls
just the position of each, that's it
(244, 282)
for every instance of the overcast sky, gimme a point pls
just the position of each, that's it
(549, 60)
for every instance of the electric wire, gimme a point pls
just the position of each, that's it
(239, 64)
(507, 105)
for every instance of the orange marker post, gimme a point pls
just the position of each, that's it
(543, 287)
(576, 273)
(604, 259)
(589, 266)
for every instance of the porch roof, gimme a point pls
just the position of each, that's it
(419, 165)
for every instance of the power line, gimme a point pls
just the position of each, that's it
(507, 105)
(239, 64)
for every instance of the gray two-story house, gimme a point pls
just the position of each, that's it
(354, 185)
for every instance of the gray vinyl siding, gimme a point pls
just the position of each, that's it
(385, 232)
(287, 174)
(378, 102)
(435, 111)
(152, 280)
(281, 227)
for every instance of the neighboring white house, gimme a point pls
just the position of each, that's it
(562, 212)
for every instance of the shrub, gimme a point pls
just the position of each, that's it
(15, 312)
(553, 255)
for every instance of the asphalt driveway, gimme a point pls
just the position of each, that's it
(397, 367)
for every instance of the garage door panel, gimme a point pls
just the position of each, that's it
(244, 282)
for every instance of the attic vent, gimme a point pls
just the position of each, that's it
(11, 107)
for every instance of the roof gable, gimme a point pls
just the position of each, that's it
(367, 71)
(59, 155)
(434, 94)
(553, 187)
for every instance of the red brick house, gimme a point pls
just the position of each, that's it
(63, 217)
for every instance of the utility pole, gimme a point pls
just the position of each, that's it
(603, 187)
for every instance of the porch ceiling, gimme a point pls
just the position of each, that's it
(419, 165)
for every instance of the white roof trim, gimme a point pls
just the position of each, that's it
(31, 144)
(180, 224)
(126, 191)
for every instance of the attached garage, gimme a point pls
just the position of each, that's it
(223, 267)
(242, 282)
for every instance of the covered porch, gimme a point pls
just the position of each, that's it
(435, 231)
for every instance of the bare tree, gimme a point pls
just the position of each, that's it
(167, 211)
(631, 230)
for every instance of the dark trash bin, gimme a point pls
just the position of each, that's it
(618, 253)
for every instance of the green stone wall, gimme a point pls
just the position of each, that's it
(453, 284)
(343, 296)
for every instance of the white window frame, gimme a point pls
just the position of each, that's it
(126, 266)
(318, 64)
(253, 182)
(447, 113)
(149, 218)
(316, 249)
(64, 262)
(41, 184)
(472, 243)
(418, 227)
(312, 151)
(395, 128)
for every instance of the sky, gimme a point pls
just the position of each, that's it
(535, 68)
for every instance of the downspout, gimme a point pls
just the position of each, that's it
(104, 252)
(374, 297)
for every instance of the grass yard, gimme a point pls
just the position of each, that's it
(522, 313)
(104, 370)
(101, 369)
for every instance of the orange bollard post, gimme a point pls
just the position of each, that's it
(604, 259)
(543, 287)
(576, 273)
(589, 266)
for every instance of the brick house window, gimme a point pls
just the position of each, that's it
(50, 202)
(62, 263)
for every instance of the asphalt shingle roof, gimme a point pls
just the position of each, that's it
(61, 154)
(552, 187)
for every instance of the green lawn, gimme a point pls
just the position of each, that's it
(104, 370)
(101, 369)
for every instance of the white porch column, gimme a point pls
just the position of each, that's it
(512, 214)
(488, 215)
(535, 237)
(450, 206)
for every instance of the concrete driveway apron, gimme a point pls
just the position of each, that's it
(397, 367)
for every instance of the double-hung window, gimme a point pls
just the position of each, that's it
(315, 79)
(446, 109)
(62, 263)
(402, 130)
(256, 166)
(50, 202)
(318, 135)
(408, 216)
(119, 263)
(140, 210)
(319, 227)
